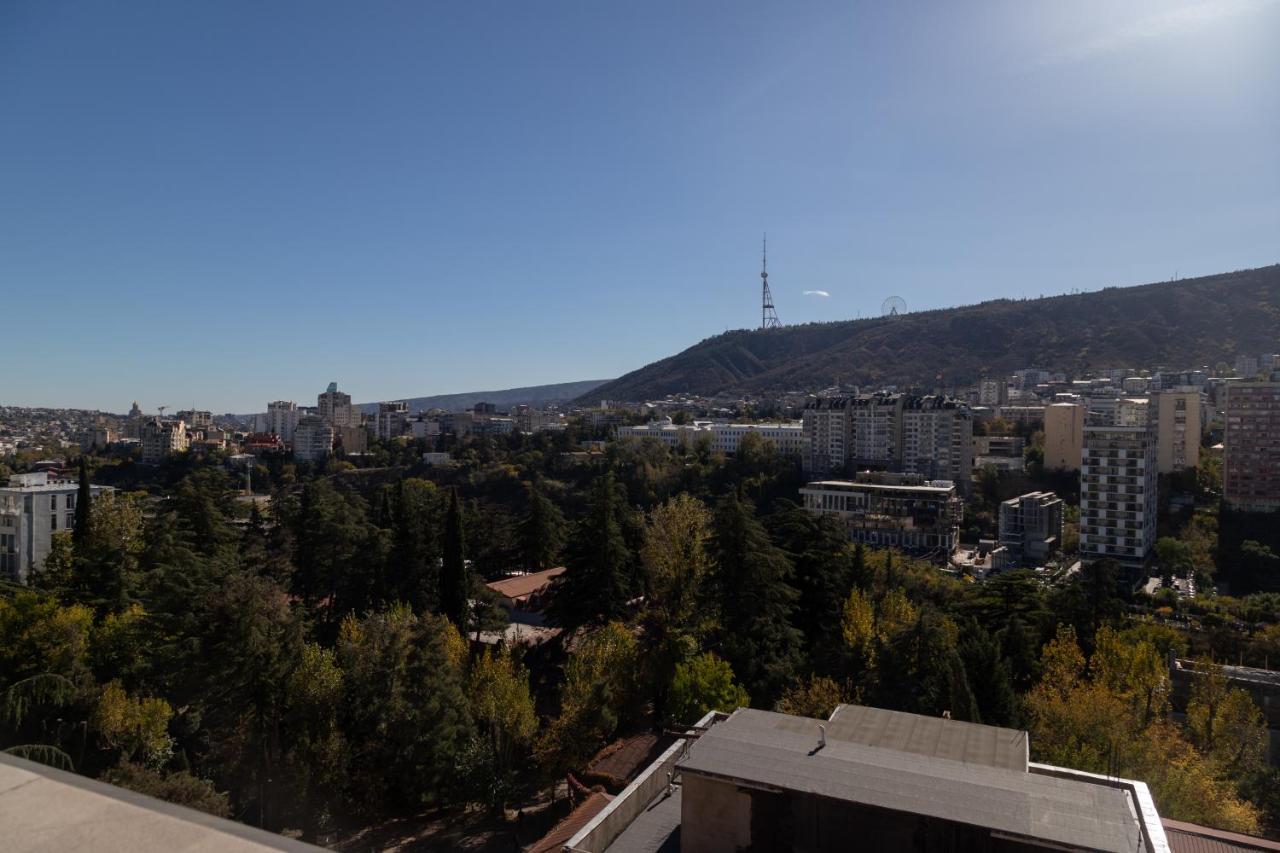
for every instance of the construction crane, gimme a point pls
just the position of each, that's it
(161, 410)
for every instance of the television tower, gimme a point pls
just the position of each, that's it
(768, 316)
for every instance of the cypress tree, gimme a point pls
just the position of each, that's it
(455, 579)
(84, 499)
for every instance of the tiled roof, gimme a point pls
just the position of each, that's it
(518, 586)
(567, 828)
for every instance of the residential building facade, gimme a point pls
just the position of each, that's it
(1118, 478)
(335, 407)
(902, 511)
(1063, 436)
(313, 439)
(282, 419)
(33, 508)
(161, 438)
(1251, 445)
(393, 418)
(1178, 429)
(1031, 526)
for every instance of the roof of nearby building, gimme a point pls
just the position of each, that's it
(781, 751)
(518, 586)
(937, 737)
(1192, 838)
(567, 828)
(43, 809)
(624, 758)
(852, 485)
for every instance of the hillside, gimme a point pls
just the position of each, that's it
(1190, 322)
(535, 395)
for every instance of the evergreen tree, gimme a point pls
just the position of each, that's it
(84, 499)
(596, 583)
(756, 603)
(455, 577)
(824, 571)
(989, 675)
(1019, 649)
(541, 531)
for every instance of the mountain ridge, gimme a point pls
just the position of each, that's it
(1183, 323)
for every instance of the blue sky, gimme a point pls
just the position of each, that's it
(228, 203)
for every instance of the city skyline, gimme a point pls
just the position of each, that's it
(251, 201)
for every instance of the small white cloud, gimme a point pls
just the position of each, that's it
(821, 293)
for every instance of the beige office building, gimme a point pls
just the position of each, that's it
(1178, 429)
(1063, 436)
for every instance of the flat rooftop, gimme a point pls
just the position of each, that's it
(779, 751)
(43, 810)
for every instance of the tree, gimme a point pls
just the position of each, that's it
(595, 586)
(84, 500)
(1224, 722)
(598, 695)
(541, 531)
(818, 697)
(675, 565)
(756, 603)
(502, 707)
(455, 577)
(989, 674)
(825, 569)
(703, 684)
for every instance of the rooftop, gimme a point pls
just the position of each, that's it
(518, 586)
(43, 809)
(779, 751)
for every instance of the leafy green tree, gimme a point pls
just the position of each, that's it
(502, 707)
(704, 683)
(675, 565)
(455, 576)
(756, 602)
(414, 564)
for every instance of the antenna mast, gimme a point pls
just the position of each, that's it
(768, 316)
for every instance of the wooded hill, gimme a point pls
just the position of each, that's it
(1181, 324)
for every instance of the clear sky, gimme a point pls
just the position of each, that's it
(225, 203)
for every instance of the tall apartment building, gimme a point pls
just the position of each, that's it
(392, 419)
(32, 509)
(1031, 526)
(931, 436)
(1064, 436)
(1178, 429)
(335, 407)
(1247, 366)
(162, 438)
(312, 439)
(1251, 464)
(875, 430)
(826, 425)
(937, 439)
(98, 436)
(1118, 478)
(862, 431)
(282, 419)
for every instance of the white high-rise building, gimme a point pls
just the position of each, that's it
(312, 439)
(282, 419)
(937, 439)
(32, 509)
(1118, 478)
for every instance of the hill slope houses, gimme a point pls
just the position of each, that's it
(1190, 322)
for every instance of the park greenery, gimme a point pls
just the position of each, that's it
(306, 659)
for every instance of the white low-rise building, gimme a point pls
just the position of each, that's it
(32, 509)
(892, 511)
(788, 438)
